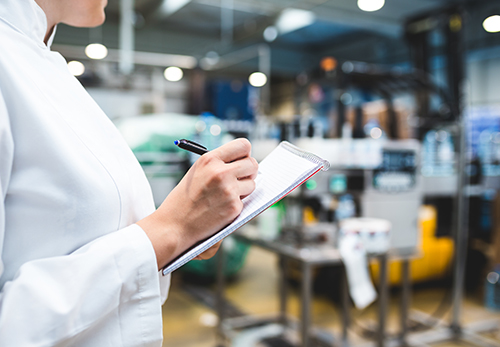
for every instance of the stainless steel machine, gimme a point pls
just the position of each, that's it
(384, 182)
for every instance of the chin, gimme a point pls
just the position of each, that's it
(96, 20)
(90, 22)
(99, 21)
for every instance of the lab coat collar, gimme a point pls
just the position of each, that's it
(27, 17)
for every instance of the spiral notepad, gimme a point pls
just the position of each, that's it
(283, 170)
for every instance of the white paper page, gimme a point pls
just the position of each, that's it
(280, 172)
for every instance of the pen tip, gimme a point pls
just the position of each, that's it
(176, 142)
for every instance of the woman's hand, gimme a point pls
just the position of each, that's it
(209, 253)
(207, 199)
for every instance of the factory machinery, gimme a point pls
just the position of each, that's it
(387, 179)
(369, 178)
(384, 177)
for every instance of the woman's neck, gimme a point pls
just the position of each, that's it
(51, 13)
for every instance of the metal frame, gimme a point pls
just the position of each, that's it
(450, 21)
(309, 258)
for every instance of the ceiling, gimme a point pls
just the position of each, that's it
(340, 29)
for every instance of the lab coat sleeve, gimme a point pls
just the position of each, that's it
(109, 284)
(6, 157)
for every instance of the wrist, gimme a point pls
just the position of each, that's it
(165, 236)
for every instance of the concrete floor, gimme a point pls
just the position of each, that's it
(188, 323)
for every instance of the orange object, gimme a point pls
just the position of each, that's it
(328, 63)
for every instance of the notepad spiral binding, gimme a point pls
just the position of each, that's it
(307, 155)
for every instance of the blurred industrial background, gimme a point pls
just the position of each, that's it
(401, 97)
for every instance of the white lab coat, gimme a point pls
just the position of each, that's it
(75, 269)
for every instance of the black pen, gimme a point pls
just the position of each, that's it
(194, 147)
(191, 146)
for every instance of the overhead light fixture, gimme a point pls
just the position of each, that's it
(173, 74)
(200, 126)
(376, 133)
(215, 130)
(169, 7)
(292, 19)
(370, 5)
(492, 24)
(209, 60)
(96, 51)
(257, 79)
(76, 68)
(270, 33)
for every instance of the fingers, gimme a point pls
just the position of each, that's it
(244, 168)
(245, 187)
(209, 253)
(234, 150)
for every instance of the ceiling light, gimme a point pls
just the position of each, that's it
(200, 126)
(169, 7)
(96, 51)
(376, 133)
(212, 57)
(270, 33)
(173, 74)
(370, 5)
(257, 79)
(76, 68)
(492, 24)
(293, 19)
(215, 130)
(209, 60)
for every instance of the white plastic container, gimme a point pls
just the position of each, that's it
(373, 233)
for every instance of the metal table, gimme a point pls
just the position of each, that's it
(308, 257)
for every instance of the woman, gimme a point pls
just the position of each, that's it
(81, 243)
